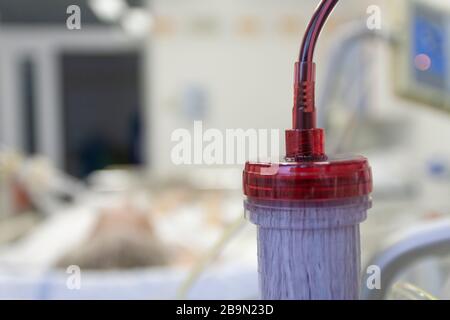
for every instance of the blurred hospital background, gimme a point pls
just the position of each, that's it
(87, 116)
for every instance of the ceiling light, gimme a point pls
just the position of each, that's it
(108, 10)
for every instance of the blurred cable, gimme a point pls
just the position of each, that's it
(407, 291)
(427, 240)
(229, 233)
(346, 40)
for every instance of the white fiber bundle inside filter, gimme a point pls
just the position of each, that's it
(309, 251)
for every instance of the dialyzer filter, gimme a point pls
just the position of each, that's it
(308, 208)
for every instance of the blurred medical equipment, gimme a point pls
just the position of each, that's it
(16, 218)
(8, 164)
(407, 291)
(348, 108)
(31, 189)
(400, 253)
(49, 188)
(421, 68)
(345, 40)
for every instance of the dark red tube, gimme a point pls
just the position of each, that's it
(304, 114)
(304, 111)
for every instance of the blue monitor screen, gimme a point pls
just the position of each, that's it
(428, 48)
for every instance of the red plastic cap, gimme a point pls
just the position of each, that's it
(336, 178)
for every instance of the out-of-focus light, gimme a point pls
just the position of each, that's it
(422, 62)
(137, 22)
(108, 10)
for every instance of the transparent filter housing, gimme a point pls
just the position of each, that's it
(307, 216)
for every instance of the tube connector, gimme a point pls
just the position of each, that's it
(304, 113)
(305, 145)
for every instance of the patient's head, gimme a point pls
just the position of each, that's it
(122, 238)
